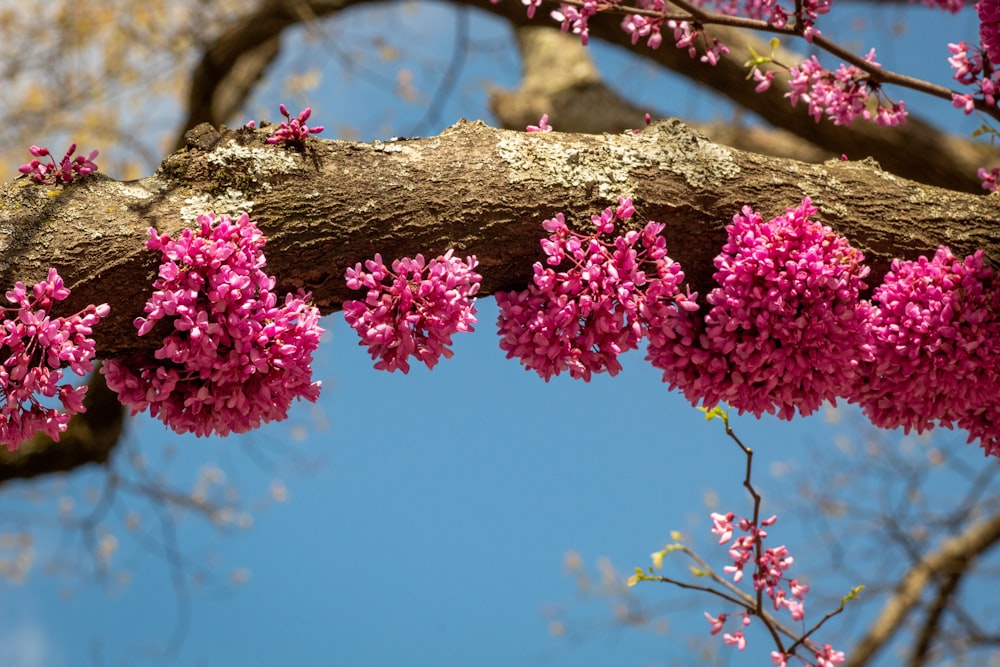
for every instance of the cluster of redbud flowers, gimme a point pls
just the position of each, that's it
(292, 131)
(234, 355)
(784, 330)
(63, 171)
(412, 309)
(36, 348)
(743, 537)
(581, 317)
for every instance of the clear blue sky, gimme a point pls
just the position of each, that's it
(428, 516)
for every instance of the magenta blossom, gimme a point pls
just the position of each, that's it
(63, 171)
(412, 309)
(989, 28)
(235, 355)
(785, 330)
(543, 125)
(293, 131)
(37, 347)
(936, 336)
(594, 300)
(842, 95)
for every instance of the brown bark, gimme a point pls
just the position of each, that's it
(477, 189)
(955, 556)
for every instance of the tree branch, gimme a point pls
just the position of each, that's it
(479, 190)
(953, 556)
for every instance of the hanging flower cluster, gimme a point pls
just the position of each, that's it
(785, 330)
(936, 335)
(412, 309)
(234, 355)
(36, 348)
(579, 316)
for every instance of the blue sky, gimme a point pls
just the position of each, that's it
(428, 516)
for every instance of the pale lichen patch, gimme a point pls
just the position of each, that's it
(258, 163)
(232, 203)
(608, 165)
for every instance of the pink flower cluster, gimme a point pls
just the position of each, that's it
(769, 570)
(989, 178)
(63, 171)
(842, 95)
(968, 64)
(936, 338)
(294, 131)
(36, 347)
(989, 28)
(785, 330)
(412, 309)
(580, 316)
(233, 356)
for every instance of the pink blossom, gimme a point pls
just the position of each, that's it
(841, 95)
(594, 299)
(412, 309)
(736, 639)
(936, 337)
(37, 347)
(717, 622)
(574, 19)
(989, 28)
(294, 131)
(989, 178)
(543, 125)
(828, 657)
(235, 356)
(65, 171)
(785, 330)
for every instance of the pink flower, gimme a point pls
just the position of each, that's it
(413, 309)
(936, 338)
(543, 125)
(736, 639)
(293, 131)
(37, 347)
(593, 301)
(841, 95)
(716, 622)
(785, 330)
(65, 171)
(989, 178)
(235, 356)
(989, 28)
(828, 657)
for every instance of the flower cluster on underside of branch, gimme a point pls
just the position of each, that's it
(234, 355)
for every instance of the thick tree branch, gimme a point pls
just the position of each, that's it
(477, 189)
(953, 556)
